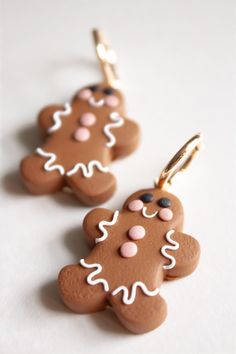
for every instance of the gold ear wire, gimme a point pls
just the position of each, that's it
(107, 59)
(180, 161)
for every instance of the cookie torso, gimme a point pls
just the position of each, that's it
(134, 247)
(64, 144)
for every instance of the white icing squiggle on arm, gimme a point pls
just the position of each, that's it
(168, 247)
(106, 223)
(48, 166)
(129, 300)
(57, 117)
(90, 281)
(118, 122)
(87, 171)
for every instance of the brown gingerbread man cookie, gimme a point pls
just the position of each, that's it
(133, 251)
(81, 139)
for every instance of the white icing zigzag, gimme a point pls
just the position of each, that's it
(57, 117)
(87, 171)
(129, 300)
(48, 166)
(118, 122)
(106, 223)
(90, 281)
(168, 247)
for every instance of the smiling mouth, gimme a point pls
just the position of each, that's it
(146, 215)
(96, 103)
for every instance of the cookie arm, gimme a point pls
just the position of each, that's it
(91, 221)
(45, 117)
(186, 256)
(127, 138)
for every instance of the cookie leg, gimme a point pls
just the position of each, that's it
(77, 294)
(93, 190)
(143, 315)
(36, 179)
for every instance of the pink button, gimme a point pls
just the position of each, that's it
(135, 205)
(112, 101)
(84, 94)
(82, 134)
(137, 232)
(87, 119)
(128, 249)
(165, 214)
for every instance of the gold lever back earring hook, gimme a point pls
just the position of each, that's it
(179, 162)
(107, 59)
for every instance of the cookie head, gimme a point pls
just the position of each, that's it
(101, 95)
(156, 204)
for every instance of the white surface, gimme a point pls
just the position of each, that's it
(177, 64)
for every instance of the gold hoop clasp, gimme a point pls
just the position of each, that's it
(179, 162)
(107, 59)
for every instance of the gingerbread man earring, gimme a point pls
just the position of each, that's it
(133, 251)
(82, 137)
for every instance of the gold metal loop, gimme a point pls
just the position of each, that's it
(179, 162)
(107, 59)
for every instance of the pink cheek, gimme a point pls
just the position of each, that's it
(128, 249)
(135, 205)
(84, 94)
(112, 101)
(87, 119)
(81, 134)
(165, 214)
(136, 232)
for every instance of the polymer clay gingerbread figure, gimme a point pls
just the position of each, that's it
(82, 138)
(133, 251)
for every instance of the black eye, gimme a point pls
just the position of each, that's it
(164, 202)
(94, 88)
(108, 91)
(146, 198)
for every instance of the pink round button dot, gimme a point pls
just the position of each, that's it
(84, 94)
(112, 101)
(87, 119)
(135, 205)
(136, 232)
(165, 214)
(82, 134)
(128, 249)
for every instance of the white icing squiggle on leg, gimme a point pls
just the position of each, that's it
(118, 122)
(129, 300)
(87, 171)
(89, 279)
(168, 247)
(57, 117)
(106, 223)
(48, 166)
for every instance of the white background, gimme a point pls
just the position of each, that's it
(176, 61)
